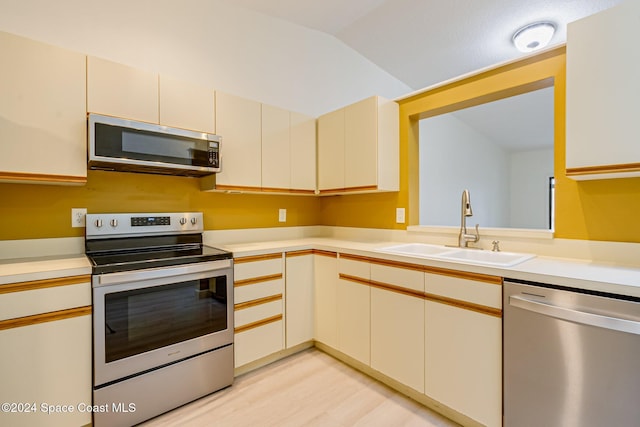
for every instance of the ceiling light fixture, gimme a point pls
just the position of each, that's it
(533, 36)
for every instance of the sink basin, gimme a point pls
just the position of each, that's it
(498, 259)
(416, 249)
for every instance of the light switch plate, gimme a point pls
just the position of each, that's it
(78, 217)
(282, 215)
(400, 215)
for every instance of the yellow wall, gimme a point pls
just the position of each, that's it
(592, 210)
(44, 211)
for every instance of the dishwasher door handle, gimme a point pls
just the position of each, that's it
(576, 316)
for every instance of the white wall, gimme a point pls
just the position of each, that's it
(529, 188)
(212, 43)
(453, 157)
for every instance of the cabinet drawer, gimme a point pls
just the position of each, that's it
(257, 290)
(258, 312)
(59, 296)
(259, 342)
(353, 267)
(403, 277)
(267, 265)
(472, 291)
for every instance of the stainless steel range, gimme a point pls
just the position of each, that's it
(162, 314)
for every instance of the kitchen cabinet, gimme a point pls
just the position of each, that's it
(258, 307)
(45, 336)
(463, 345)
(299, 268)
(238, 121)
(42, 111)
(276, 155)
(397, 323)
(325, 266)
(118, 90)
(303, 153)
(354, 308)
(603, 64)
(358, 148)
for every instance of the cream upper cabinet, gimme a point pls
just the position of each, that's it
(238, 121)
(186, 105)
(358, 148)
(42, 113)
(331, 151)
(603, 65)
(463, 345)
(303, 152)
(299, 306)
(276, 155)
(118, 90)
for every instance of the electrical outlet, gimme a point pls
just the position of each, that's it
(400, 215)
(282, 215)
(78, 217)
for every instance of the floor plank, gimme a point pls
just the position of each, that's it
(310, 388)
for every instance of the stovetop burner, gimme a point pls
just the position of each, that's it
(142, 241)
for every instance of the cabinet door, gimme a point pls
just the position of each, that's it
(186, 105)
(303, 152)
(603, 64)
(331, 150)
(118, 90)
(463, 348)
(238, 121)
(276, 156)
(47, 363)
(299, 302)
(361, 144)
(42, 107)
(354, 309)
(397, 325)
(326, 297)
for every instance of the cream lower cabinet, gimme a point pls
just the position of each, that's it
(354, 308)
(258, 307)
(325, 274)
(42, 113)
(299, 306)
(45, 337)
(397, 323)
(463, 345)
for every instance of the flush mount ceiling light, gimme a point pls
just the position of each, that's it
(533, 36)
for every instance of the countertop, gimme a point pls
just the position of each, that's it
(556, 271)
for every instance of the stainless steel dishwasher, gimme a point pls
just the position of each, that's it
(571, 357)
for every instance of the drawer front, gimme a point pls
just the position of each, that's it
(267, 266)
(405, 278)
(256, 343)
(354, 268)
(36, 301)
(258, 290)
(472, 291)
(257, 313)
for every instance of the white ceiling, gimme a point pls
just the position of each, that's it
(424, 42)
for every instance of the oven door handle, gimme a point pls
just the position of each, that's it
(159, 273)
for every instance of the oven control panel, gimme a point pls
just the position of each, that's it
(121, 224)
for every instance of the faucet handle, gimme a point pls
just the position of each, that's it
(477, 232)
(496, 246)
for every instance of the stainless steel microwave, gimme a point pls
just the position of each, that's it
(130, 146)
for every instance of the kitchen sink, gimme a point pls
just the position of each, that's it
(416, 249)
(498, 259)
(472, 256)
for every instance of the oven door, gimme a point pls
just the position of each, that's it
(146, 319)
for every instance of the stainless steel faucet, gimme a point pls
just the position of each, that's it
(463, 237)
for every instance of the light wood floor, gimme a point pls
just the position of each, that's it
(308, 389)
